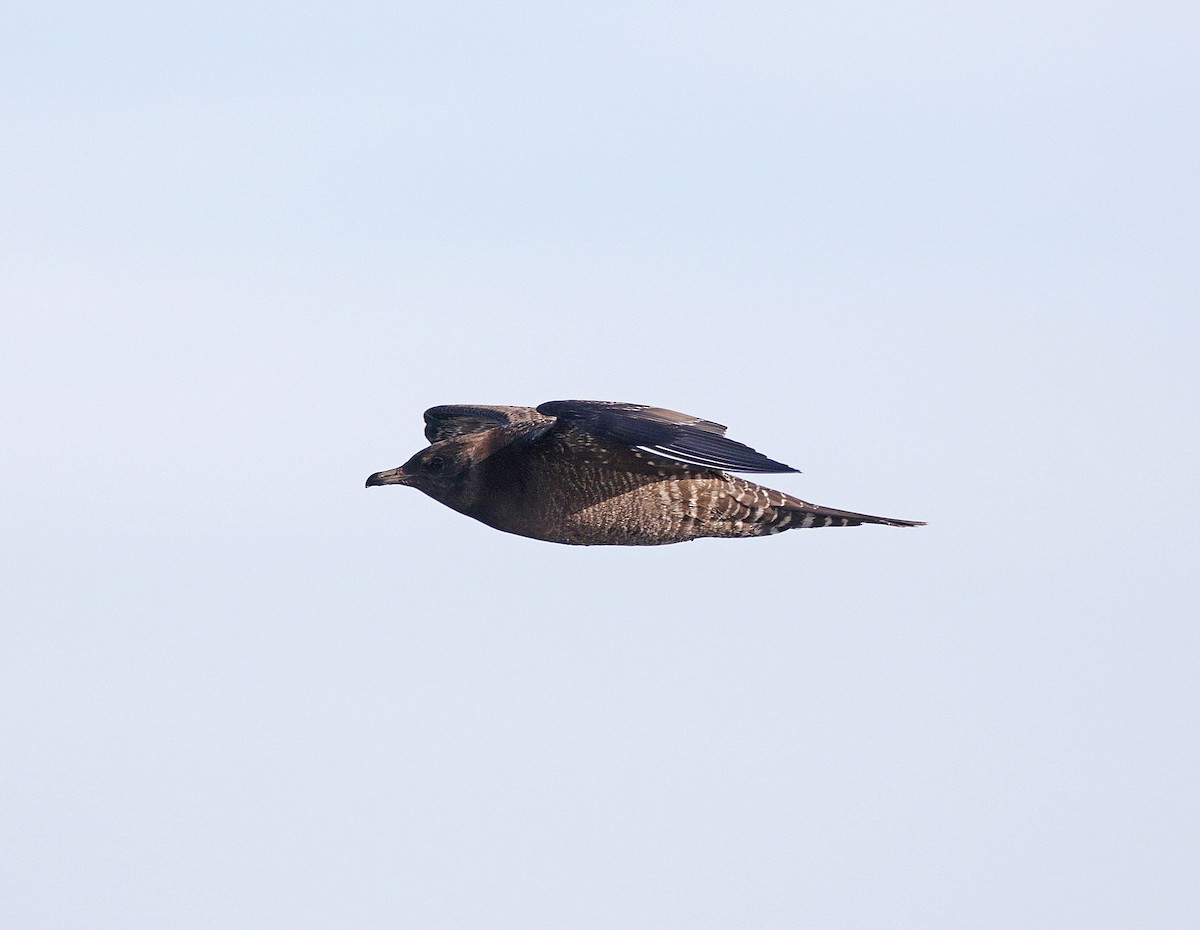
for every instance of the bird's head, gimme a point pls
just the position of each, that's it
(441, 471)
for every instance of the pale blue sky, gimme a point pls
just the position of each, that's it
(943, 258)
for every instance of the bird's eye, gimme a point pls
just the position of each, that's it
(435, 464)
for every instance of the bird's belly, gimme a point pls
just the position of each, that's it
(677, 510)
(638, 510)
(655, 513)
(644, 516)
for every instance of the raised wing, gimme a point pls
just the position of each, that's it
(666, 434)
(452, 420)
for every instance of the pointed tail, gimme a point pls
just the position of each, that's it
(805, 515)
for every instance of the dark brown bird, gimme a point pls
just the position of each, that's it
(597, 473)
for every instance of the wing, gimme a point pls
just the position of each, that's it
(452, 420)
(666, 434)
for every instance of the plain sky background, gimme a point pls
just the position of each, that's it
(942, 257)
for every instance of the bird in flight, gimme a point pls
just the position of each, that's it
(599, 473)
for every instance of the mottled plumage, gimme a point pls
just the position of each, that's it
(595, 473)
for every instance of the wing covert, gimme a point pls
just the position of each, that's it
(666, 434)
